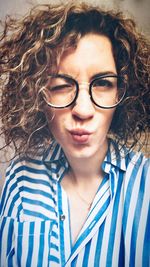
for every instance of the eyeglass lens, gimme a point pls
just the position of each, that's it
(60, 91)
(105, 91)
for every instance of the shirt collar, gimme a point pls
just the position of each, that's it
(55, 155)
(115, 156)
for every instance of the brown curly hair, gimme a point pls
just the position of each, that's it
(31, 47)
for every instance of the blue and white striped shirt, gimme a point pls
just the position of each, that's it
(35, 217)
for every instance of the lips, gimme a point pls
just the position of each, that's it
(80, 135)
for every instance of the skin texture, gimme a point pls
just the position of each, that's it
(93, 55)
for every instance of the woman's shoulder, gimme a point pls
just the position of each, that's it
(137, 160)
(24, 177)
(22, 164)
(137, 175)
(135, 163)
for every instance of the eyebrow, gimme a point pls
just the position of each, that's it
(103, 74)
(95, 76)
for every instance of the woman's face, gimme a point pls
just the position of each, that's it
(81, 129)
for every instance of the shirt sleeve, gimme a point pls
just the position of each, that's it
(24, 240)
(9, 211)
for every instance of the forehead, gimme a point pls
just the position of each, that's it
(93, 53)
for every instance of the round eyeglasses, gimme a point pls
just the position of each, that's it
(106, 91)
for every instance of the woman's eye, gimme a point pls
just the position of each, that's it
(103, 83)
(59, 87)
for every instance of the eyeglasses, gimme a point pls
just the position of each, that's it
(105, 91)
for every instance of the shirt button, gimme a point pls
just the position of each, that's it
(62, 217)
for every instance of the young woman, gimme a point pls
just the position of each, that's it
(75, 94)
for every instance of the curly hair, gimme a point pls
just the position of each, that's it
(32, 47)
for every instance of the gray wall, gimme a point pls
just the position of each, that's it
(138, 9)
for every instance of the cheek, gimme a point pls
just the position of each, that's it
(105, 117)
(110, 115)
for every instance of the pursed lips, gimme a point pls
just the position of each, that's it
(80, 135)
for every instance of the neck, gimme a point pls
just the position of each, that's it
(85, 170)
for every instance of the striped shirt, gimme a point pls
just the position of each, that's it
(35, 217)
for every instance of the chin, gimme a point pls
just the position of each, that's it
(82, 152)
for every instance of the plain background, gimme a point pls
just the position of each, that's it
(137, 9)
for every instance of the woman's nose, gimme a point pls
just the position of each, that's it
(83, 108)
